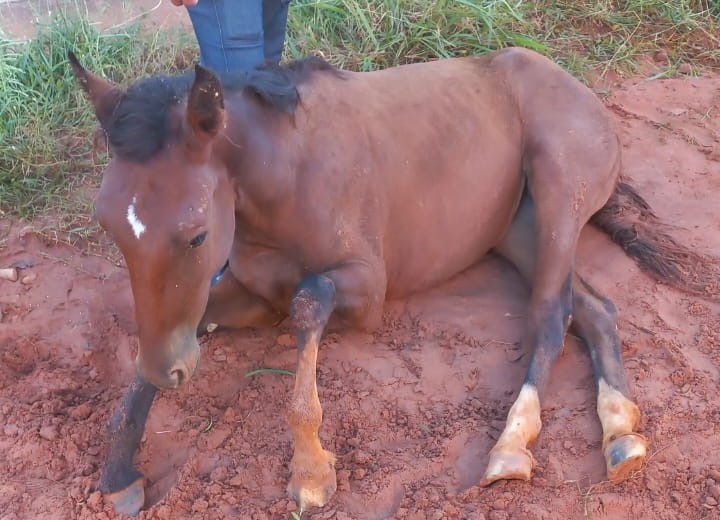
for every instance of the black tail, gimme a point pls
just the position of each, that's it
(631, 224)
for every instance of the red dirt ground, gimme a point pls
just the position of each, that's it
(410, 411)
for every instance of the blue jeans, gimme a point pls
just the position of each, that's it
(239, 34)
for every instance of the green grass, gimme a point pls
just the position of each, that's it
(580, 34)
(367, 35)
(46, 126)
(275, 371)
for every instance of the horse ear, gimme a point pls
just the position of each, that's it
(206, 106)
(103, 95)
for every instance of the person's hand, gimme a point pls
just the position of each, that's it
(186, 3)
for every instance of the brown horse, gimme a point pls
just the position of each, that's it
(309, 191)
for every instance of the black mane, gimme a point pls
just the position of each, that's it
(140, 124)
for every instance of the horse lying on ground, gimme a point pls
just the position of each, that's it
(308, 191)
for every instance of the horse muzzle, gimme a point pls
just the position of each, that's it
(172, 375)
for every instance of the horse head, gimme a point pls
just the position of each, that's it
(167, 201)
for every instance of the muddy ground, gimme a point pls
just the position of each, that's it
(412, 410)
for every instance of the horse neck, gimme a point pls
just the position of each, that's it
(255, 154)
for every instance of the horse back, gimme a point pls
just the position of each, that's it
(421, 164)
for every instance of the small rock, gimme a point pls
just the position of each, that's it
(714, 474)
(361, 457)
(11, 430)
(343, 480)
(684, 68)
(499, 504)
(93, 450)
(48, 433)
(237, 481)
(58, 474)
(219, 474)
(28, 279)
(450, 511)
(95, 501)
(9, 274)
(81, 412)
(711, 501)
(200, 506)
(229, 416)
(217, 436)
(211, 327)
(661, 56)
(163, 512)
(359, 473)
(497, 515)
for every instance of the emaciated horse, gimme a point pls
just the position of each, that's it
(309, 191)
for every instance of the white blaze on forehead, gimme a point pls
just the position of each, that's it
(137, 226)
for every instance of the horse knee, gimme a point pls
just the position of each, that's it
(312, 303)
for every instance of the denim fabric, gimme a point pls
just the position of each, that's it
(239, 34)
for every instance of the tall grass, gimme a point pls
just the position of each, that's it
(581, 34)
(366, 35)
(46, 125)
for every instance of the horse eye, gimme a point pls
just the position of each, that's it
(198, 240)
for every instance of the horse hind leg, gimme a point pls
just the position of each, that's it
(595, 322)
(545, 262)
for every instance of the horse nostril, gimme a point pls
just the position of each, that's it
(178, 376)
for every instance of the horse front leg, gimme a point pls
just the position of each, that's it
(120, 483)
(312, 468)
(349, 291)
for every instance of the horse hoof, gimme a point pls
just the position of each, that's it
(311, 490)
(508, 465)
(624, 456)
(130, 500)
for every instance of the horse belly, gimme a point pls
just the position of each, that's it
(447, 228)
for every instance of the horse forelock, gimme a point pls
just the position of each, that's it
(141, 124)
